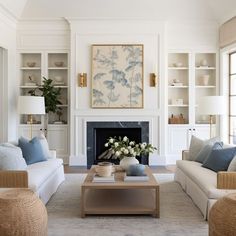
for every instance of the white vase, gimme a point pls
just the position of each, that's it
(127, 161)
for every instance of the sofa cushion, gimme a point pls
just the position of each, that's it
(32, 150)
(219, 159)
(206, 150)
(206, 179)
(44, 144)
(232, 165)
(197, 144)
(11, 157)
(39, 172)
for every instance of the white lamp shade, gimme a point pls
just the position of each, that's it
(211, 105)
(31, 105)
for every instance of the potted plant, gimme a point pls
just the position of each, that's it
(127, 150)
(51, 96)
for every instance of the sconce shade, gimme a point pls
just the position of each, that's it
(31, 105)
(211, 105)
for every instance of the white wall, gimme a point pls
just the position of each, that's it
(85, 33)
(8, 42)
(158, 38)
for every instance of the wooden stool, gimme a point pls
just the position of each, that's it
(22, 213)
(222, 217)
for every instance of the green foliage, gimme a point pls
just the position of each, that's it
(50, 93)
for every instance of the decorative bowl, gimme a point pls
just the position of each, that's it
(136, 170)
(31, 64)
(178, 64)
(58, 63)
(104, 169)
(58, 78)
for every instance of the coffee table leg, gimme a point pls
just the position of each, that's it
(82, 202)
(157, 202)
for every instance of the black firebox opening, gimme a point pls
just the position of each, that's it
(102, 135)
(99, 132)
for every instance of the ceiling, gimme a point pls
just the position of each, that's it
(217, 10)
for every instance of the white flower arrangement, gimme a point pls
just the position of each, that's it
(121, 147)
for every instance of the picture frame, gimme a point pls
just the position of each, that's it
(117, 76)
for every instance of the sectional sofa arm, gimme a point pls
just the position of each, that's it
(13, 179)
(226, 180)
(185, 154)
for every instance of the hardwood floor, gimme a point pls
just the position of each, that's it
(156, 169)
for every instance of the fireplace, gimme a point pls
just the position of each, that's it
(99, 132)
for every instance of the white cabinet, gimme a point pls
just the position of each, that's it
(191, 75)
(57, 137)
(179, 138)
(54, 65)
(25, 130)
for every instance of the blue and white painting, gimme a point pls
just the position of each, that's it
(117, 76)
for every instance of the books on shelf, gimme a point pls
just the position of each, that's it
(177, 84)
(99, 179)
(30, 84)
(139, 178)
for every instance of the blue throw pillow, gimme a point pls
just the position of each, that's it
(32, 150)
(206, 150)
(219, 159)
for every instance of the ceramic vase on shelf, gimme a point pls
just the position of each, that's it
(127, 161)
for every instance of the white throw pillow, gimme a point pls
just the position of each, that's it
(232, 165)
(11, 157)
(45, 146)
(197, 144)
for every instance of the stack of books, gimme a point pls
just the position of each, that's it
(99, 179)
(134, 178)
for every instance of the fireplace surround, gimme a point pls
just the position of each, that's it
(98, 133)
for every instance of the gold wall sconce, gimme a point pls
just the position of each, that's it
(82, 79)
(153, 79)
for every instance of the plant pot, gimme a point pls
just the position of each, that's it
(127, 161)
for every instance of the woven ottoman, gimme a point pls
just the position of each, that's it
(22, 213)
(222, 217)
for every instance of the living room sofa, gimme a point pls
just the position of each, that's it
(203, 185)
(42, 177)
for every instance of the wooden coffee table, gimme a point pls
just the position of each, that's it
(120, 197)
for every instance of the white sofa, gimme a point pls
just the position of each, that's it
(43, 177)
(202, 184)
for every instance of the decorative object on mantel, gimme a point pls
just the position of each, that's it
(82, 80)
(51, 96)
(117, 76)
(127, 150)
(179, 119)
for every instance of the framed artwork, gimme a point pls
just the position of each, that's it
(117, 76)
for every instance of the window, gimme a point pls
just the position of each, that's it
(232, 98)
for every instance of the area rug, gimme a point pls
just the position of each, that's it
(178, 215)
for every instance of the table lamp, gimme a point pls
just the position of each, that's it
(31, 105)
(211, 105)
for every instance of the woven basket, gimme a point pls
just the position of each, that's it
(22, 214)
(222, 217)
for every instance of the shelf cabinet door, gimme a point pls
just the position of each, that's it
(25, 131)
(203, 132)
(57, 137)
(178, 139)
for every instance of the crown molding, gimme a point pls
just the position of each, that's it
(7, 17)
